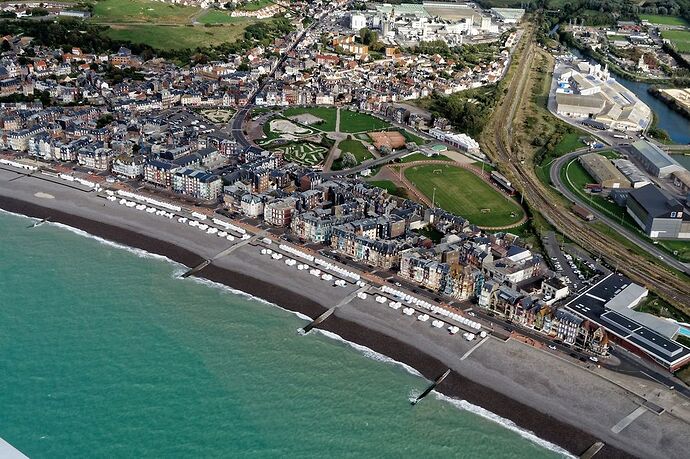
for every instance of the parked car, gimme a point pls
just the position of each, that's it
(593, 359)
(552, 347)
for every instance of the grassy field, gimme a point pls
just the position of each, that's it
(461, 192)
(664, 20)
(327, 114)
(175, 37)
(142, 11)
(352, 122)
(219, 17)
(356, 148)
(255, 5)
(410, 137)
(570, 142)
(679, 38)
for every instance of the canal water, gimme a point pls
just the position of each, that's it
(676, 125)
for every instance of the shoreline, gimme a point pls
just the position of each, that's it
(456, 385)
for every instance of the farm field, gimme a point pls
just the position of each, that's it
(679, 38)
(219, 17)
(304, 153)
(664, 20)
(142, 11)
(352, 122)
(327, 114)
(461, 192)
(255, 5)
(176, 37)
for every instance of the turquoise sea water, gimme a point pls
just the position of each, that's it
(105, 353)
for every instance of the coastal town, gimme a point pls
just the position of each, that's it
(309, 152)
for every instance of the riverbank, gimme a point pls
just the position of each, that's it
(670, 101)
(545, 396)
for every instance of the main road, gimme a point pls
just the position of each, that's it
(237, 121)
(630, 235)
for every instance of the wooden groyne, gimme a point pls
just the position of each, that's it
(592, 450)
(196, 269)
(318, 320)
(436, 382)
(36, 224)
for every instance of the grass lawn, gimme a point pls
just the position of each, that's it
(142, 11)
(664, 20)
(568, 143)
(410, 137)
(679, 38)
(356, 148)
(461, 192)
(682, 247)
(352, 122)
(390, 187)
(255, 5)
(176, 37)
(327, 114)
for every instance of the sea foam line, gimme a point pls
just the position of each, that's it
(138, 252)
(503, 422)
(460, 404)
(367, 352)
(249, 296)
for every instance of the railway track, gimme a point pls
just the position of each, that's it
(672, 287)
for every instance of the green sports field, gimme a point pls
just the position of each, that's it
(356, 148)
(679, 38)
(664, 20)
(461, 192)
(176, 37)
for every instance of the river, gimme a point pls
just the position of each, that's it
(675, 124)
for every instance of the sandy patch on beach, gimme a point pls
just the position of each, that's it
(42, 195)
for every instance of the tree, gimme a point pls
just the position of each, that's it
(348, 160)
(368, 37)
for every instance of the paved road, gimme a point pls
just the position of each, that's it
(637, 240)
(238, 120)
(367, 164)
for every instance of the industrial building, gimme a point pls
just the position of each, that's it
(609, 304)
(508, 15)
(655, 160)
(603, 171)
(659, 215)
(588, 92)
(637, 178)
